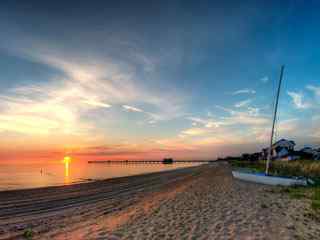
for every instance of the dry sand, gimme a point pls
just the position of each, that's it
(194, 203)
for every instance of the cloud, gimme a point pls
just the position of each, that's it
(208, 123)
(228, 132)
(111, 150)
(265, 79)
(315, 126)
(194, 131)
(314, 89)
(288, 125)
(196, 120)
(210, 141)
(228, 110)
(251, 116)
(244, 91)
(243, 103)
(102, 86)
(83, 84)
(132, 109)
(245, 118)
(27, 124)
(253, 111)
(45, 110)
(97, 103)
(297, 99)
(239, 127)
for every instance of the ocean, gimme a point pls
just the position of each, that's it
(23, 176)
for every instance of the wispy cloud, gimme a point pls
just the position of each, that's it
(297, 99)
(265, 79)
(288, 125)
(97, 103)
(132, 109)
(243, 103)
(253, 111)
(85, 84)
(208, 123)
(51, 111)
(250, 116)
(314, 89)
(246, 118)
(244, 91)
(194, 131)
(238, 127)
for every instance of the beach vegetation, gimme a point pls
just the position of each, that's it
(296, 192)
(312, 193)
(316, 200)
(309, 169)
(299, 168)
(263, 205)
(28, 234)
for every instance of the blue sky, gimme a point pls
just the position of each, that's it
(156, 78)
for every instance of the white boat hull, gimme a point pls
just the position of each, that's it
(269, 180)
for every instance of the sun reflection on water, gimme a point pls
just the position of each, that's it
(66, 161)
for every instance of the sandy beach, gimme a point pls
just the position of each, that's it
(202, 202)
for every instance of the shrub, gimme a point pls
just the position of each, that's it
(298, 168)
(28, 234)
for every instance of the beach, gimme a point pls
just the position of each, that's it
(202, 202)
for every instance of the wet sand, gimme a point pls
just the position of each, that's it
(202, 202)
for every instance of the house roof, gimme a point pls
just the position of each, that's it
(284, 141)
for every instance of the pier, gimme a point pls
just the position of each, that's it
(146, 161)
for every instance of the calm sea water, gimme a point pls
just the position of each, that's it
(21, 176)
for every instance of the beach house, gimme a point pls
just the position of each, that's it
(282, 149)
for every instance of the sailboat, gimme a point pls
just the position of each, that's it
(266, 178)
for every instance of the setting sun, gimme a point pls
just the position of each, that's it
(66, 159)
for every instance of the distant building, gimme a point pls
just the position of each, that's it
(282, 149)
(307, 150)
(310, 153)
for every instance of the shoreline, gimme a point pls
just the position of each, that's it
(199, 202)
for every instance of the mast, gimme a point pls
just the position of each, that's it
(274, 121)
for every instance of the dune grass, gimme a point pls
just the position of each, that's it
(299, 168)
(315, 204)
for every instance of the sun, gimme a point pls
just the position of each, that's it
(66, 159)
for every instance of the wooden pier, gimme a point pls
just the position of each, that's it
(146, 161)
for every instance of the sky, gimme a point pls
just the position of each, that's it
(153, 79)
